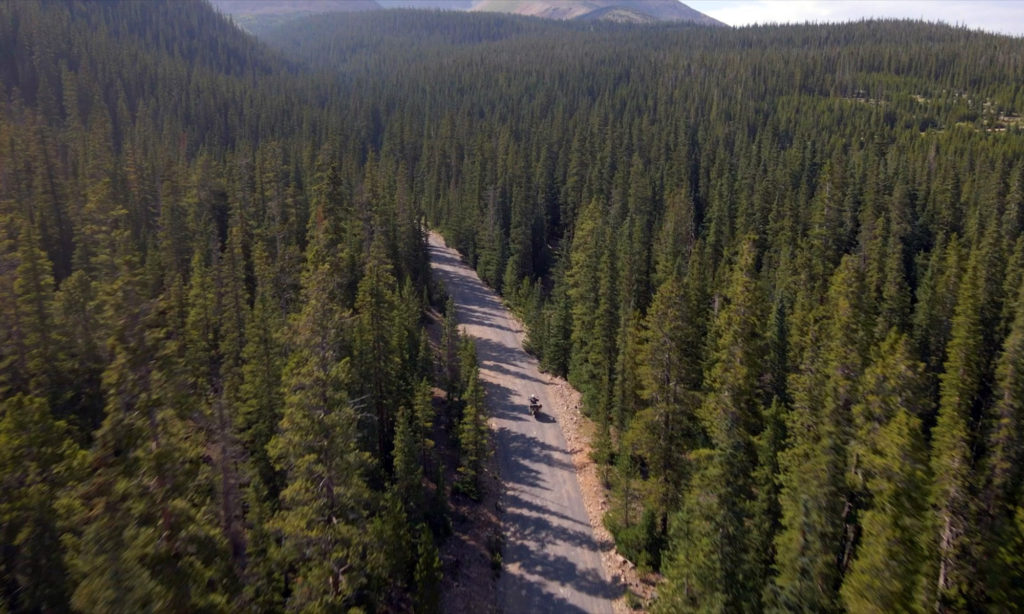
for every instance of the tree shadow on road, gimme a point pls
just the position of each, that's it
(519, 506)
(532, 548)
(519, 449)
(490, 365)
(470, 315)
(505, 403)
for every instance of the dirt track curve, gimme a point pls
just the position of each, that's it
(551, 560)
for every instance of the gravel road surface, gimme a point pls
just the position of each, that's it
(551, 560)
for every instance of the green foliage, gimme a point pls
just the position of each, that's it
(641, 541)
(473, 436)
(392, 533)
(732, 417)
(146, 514)
(260, 389)
(556, 349)
(791, 300)
(495, 543)
(891, 466)
(428, 574)
(1010, 563)
(1004, 466)
(953, 566)
(325, 501)
(814, 543)
(37, 460)
(155, 311)
(452, 377)
(409, 455)
(693, 572)
(377, 347)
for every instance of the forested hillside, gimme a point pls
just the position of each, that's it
(783, 265)
(214, 383)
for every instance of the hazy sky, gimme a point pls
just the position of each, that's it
(1006, 16)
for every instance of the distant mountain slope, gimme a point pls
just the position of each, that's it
(284, 7)
(446, 5)
(260, 16)
(640, 11)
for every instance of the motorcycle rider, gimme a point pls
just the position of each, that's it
(534, 404)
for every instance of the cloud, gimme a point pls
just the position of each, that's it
(1004, 16)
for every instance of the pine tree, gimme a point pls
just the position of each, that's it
(952, 547)
(693, 572)
(452, 378)
(408, 342)
(676, 235)
(76, 315)
(732, 416)
(33, 325)
(213, 338)
(669, 427)
(201, 351)
(557, 348)
(583, 291)
(428, 574)
(146, 514)
(891, 465)
(37, 460)
(11, 377)
(325, 502)
(765, 509)
(626, 390)
(377, 355)
(493, 242)
(408, 455)
(814, 544)
(260, 392)
(472, 437)
(1007, 591)
(392, 538)
(623, 517)
(263, 580)
(423, 420)
(101, 220)
(937, 294)
(895, 295)
(1004, 496)
(425, 367)
(599, 378)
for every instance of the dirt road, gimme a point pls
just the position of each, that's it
(551, 560)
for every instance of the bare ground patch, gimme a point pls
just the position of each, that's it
(469, 585)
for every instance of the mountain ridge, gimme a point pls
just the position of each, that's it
(636, 11)
(285, 7)
(257, 14)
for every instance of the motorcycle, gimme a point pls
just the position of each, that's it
(534, 406)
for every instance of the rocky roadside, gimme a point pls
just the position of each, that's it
(579, 432)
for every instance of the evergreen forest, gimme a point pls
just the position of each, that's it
(784, 265)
